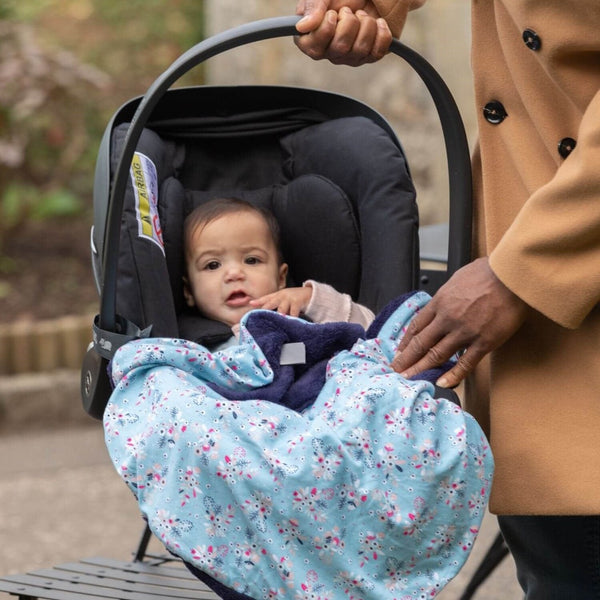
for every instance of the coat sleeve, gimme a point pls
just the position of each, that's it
(395, 12)
(550, 256)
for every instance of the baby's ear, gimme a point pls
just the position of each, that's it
(283, 271)
(187, 293)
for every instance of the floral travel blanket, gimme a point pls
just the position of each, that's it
(367, 487)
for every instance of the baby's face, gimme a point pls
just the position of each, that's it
(231, 261)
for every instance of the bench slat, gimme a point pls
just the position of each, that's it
(102, 579)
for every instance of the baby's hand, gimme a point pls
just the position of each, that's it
(289, 301)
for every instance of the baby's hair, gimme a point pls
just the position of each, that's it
(205, 213)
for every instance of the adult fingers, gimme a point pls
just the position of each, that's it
(316, 43)
(466, 363)
(313, 12)
(427, 349)
(371, 41)
(346, 33)
(421, 320)
(383, 39)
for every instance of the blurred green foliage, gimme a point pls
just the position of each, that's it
(65, 68)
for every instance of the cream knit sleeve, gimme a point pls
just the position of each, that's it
(327, 305)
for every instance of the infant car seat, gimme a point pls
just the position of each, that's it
(330, 168)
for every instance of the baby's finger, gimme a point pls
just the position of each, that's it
(283, 307)
(267, 302)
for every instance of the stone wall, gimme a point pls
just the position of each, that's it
(439, 31)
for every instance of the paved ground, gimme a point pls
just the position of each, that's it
(60, 500)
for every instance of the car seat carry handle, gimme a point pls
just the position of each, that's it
(457, 151)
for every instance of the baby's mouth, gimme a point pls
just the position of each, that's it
(237, 298)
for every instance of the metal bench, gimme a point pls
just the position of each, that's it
(144, 578)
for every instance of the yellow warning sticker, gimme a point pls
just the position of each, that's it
(145, 188)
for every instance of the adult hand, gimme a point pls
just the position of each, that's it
(288, 301)
(349, 32)
(473, 312)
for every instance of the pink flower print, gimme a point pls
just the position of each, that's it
(396, 422)
(360, 446)
(278, 468)
(371, 547)
(418, 518)
(284, 568)
(188, 483)
(478, 502)
(168, 527)
(389, 511)
(258, 508)
(331, 543)
(479, 453)
(326, 460)
(115, 418)
(427, 459)
(398, 573)
(354, 586)
(350, 498)
(169, 433)
(234, 467)
(468, 539)
(227, 408)
(451, 493)
(219, 517)
(133, 480)
(208, 439)
(210, 558)
(426, 410)
(389, 461)
(261, 427)
(156, 476)
(312, 501)
(136, 446)
(445, 538)
(246, 555)
(290, 532)
(311, 589)
(459, 437)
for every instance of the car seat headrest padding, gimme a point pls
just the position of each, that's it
(366, 163)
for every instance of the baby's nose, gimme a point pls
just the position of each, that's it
(234, 272)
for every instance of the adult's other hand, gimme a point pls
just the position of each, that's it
(474, 312)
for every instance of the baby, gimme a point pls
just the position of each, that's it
(234, 265)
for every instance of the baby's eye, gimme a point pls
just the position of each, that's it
(252, 260)
(212, 265)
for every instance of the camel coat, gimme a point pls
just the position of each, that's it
(536, 67)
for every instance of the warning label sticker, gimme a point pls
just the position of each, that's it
(145, 188)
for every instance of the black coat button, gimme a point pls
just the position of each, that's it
(532, 39)
(494, 112)
(566, 146)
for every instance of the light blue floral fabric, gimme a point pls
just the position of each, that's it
(375, 492)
